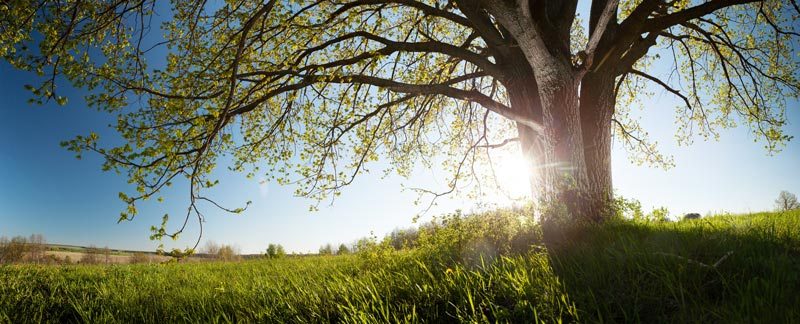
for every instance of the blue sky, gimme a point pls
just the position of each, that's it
(44, 189)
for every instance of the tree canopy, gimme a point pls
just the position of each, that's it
(310, 92)
(786, 201)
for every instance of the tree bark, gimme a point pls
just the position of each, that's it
(565, 174)
(597, 101)
(555, 152)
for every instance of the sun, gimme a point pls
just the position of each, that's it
(512, 172)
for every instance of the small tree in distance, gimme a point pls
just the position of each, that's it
(326, 249)
(106, 255)
(217, 251)
(343, 250)
(787, 201)
(13, 250)
(228, 253)
(211, 248)
(275, 251)
(36, 248)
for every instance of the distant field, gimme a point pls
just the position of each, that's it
(117, 258)
(720, 269)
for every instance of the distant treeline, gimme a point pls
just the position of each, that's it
(23, 249)
(33, 249)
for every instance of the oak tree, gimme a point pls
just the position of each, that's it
(311, 91)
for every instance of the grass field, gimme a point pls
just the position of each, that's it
(719, 269)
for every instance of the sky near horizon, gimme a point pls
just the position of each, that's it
(44, 189)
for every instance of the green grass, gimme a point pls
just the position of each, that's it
(720, 269)
(723, 269)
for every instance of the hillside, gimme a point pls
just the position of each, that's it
(482, 268)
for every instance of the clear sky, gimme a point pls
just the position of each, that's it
(44, 189)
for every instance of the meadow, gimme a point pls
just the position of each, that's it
(489, 267)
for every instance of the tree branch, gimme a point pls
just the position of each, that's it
(599, 31)
(663, 85)
(676, 18)
(501, 144)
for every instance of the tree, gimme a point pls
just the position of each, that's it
(660, 214)
(13, 250)
(342, 250)
(275, 251)
(318, 89)
(403, 238)
(36, 248)
(106, 255)
(228, 253)
(271, 250)
(787, 201)
(326, 249)
(211, 248)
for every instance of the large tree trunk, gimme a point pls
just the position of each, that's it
(565, 173)
(571, 151)
(559, 175)
(597, 107)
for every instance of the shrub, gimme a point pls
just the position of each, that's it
(660, 214)
(90, 256)
(139, 257)
(691, 216)
(227, 253)
(216, 251)
(403, 238)
(473, 239)
(625, 208)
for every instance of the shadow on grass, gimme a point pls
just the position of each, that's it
(724, 269)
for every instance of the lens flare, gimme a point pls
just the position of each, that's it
(512, 172)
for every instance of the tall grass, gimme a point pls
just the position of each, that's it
(720, 269)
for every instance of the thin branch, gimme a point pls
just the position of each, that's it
(501, 144)
(663, 85)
